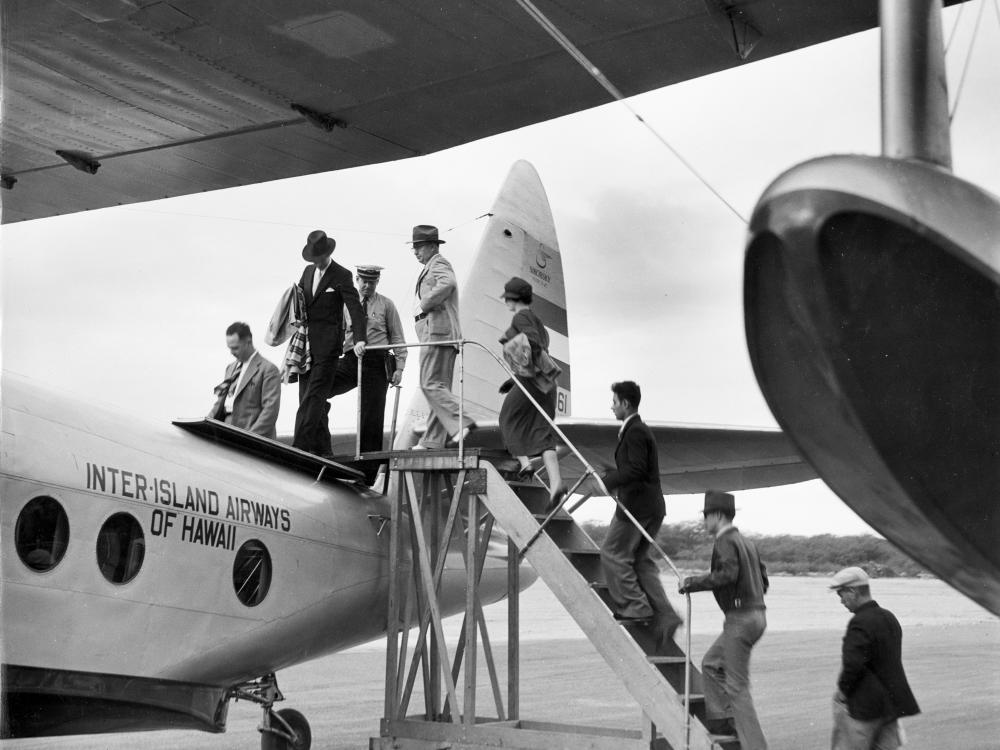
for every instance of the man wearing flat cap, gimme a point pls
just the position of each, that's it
(872, 690)
(435, 315)
(326, 290)
(739, 581)
(379, 368)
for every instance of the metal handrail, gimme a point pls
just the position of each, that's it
(588, 471)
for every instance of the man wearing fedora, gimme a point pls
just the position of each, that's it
(379, 368)
(435, 314)
(739, 581)
(872, 690)
(327, 289)
(250, 395)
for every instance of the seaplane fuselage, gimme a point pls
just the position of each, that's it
(178, 559)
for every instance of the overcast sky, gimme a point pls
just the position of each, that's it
(128, 306)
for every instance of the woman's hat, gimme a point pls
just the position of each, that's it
(516, 288)
(425, 233)
(317, 245)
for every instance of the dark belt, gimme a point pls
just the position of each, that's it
(418, 318)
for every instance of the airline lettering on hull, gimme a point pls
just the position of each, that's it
(137, 486)
(194, 529)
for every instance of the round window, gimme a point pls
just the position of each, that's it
(121, 547)
(41, 533)
(252, 573)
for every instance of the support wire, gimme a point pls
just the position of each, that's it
(606, 84)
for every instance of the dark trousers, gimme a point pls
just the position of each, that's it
(374, 384)
(312, 426)
(632, 574)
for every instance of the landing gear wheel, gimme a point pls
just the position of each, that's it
(287, 721)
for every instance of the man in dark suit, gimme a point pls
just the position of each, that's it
(632, 574)
(250, 395)
(872, 690)
(326, 287)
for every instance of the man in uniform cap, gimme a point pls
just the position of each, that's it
(435, 314)
(872, 690)
(739, 581)
(327, 290)
(379, 368)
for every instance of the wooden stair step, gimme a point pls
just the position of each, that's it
(667, 659)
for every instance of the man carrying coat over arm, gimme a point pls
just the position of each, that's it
(327, 288)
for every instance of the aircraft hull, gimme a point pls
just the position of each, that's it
(178, 621)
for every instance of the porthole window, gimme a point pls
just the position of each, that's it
(121, 547)
(252, 573)
(41, 533)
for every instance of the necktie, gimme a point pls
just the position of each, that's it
(236, 376)
(364, 304)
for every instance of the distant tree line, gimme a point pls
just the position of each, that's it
(690, 547)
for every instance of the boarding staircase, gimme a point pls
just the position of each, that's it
(474, 492)
(438, 496)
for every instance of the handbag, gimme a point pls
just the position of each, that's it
(517, 354)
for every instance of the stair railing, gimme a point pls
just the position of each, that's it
(589, 471)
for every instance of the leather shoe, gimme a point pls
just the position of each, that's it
(557, 497)
(631, 618)
(463, 435)
(722, 727)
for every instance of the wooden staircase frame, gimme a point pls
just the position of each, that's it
(467, 480)
(437, 492)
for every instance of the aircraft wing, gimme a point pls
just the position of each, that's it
(109, 102)
(696, 458)
(693, 458)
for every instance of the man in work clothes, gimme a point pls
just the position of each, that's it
(327, 289)
(632, 573)
(435, 314)
(872, 691)
(739, 581)
(379, 368)
(250, 395)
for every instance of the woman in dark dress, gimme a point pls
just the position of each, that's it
(525, 431)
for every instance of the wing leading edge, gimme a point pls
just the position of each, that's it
(111, 101)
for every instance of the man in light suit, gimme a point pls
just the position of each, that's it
(632, 574)
(435, 313)
(327, 287)
(250, 395)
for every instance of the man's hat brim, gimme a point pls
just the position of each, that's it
(317, 246)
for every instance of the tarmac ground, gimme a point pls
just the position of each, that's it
(954, 672)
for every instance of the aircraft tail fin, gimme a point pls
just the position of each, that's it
(519, 240)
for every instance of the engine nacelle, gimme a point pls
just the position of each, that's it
(872, 308)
